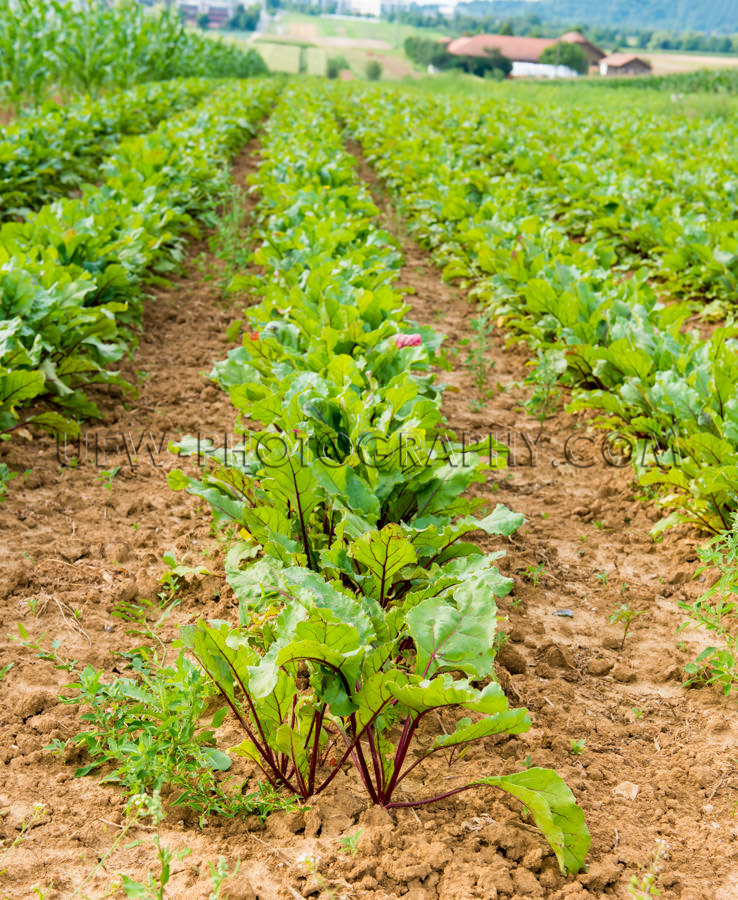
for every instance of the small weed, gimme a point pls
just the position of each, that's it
(228, 242)
(37, 813)
(153, 888)
(602, 577)
(5, 669)
(350, 842)
(625, 616)
(476, 358)
(716, 611)
(544, 398)
(107, 476)
(33, 604)
(576, 748)
(533, 573)
(5, 476)
(646, 885)
(638, 713)
(52, 654)
(147, 728)
(178, 574)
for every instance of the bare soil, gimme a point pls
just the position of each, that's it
(657, 761)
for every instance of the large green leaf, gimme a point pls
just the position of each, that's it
(554, 810)
(456, 634)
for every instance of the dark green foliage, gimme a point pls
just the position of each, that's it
(564, 54)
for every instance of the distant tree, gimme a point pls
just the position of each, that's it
(483, 66)
(334, 65)
(373, 70)
(506, 28)
(202, 20)
(245, 19)
(427, 52)
(565, 54)
(661, 40)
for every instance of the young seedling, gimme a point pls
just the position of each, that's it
(602, 577)
(646, 886)
(576, 748)
(153, 888)
(350, 842)
(37, 813)
(624, 616)
(534, 573)
(107, 476)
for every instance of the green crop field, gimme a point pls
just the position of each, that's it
(280, 57)
(368, 474)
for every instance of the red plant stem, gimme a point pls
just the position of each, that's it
(376, 762)
(403, 746)
(301, 515)
(404, 804)
(350, 745)
(265, 751)
(365, 774)
(316, 747)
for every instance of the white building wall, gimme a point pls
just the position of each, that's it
(541, 70)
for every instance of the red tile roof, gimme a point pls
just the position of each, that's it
(622, 59)
(573, 37)
(521, 49)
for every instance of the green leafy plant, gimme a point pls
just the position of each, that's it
(5, 476)
(178, 573)
(71, 296)
(625, 616)
(146, 732)
(319, 680)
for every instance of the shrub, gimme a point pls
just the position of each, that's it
(334, 65)
(373, 70)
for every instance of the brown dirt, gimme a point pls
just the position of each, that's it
(68, 543)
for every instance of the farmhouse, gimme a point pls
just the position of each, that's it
(219, 11)
(592, 53)
(525, 52)
(624, 64)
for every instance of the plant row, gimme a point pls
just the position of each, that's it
(365, 609)
(655, 191)
(48, 154)
(711, 81)
(594, 319)
(63, 47)
(71, 275)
